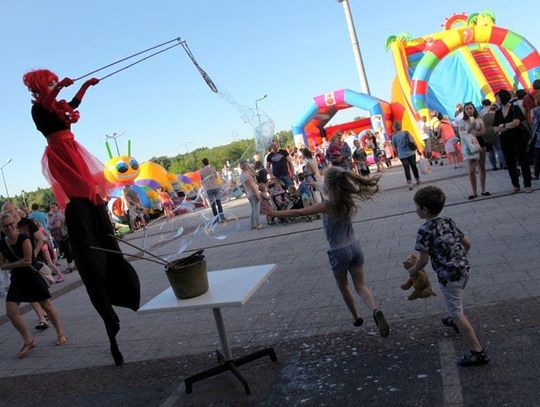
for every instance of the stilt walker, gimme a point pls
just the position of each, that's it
(79, 186)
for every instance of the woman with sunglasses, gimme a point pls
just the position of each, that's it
(27, 285)
(471, 127)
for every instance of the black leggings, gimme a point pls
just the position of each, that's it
(515, 149)
(408, 164)
(65, 246)
(108, 277)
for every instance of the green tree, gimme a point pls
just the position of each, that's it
(285, 138)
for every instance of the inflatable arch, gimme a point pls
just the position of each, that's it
(452, 40)
(307, 129)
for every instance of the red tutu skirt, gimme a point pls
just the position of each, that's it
(72, 171)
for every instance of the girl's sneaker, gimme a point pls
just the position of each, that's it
(381, 323)
(60, 278)
(474, 359)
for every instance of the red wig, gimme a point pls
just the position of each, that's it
(38, 82)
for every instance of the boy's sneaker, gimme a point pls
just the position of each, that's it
(474, 359)
(381, 323)
(449, 322)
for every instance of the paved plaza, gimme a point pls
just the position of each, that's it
(323, 358)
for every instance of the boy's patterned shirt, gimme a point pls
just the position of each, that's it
(442, 239)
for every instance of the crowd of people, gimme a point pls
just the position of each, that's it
(505, 132)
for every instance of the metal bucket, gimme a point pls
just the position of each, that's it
(188, 276)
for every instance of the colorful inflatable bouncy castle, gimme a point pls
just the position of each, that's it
(470, 60)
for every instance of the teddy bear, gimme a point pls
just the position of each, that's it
(420, 282)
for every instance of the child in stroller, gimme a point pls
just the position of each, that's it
(279, 196)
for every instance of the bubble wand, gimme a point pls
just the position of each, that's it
(178, 41)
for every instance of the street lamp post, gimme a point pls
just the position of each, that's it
(257, 107)
(23, 195)
(4, 178)
(187, 151)
(114, 136)
(356, 47)
(186, 145)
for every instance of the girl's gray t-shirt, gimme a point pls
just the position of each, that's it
(338, 233)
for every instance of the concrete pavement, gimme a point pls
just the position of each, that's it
(300, 303)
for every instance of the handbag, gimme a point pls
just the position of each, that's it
(470, 143)
(44, 271)
(524, 127)
(410, 142)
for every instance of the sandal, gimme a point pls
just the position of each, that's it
(515, 190)
(42, 325)
(25, 350)
(473, 196)
(62, 340)
(485, 193)
(358, 322)
(449, 322)
(528, 190)
(474, 359)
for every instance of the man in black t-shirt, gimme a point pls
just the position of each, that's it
(279, 163)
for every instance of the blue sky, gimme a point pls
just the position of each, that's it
(291, 50)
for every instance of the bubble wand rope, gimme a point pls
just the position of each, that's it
(102, 249)
(179, 41)
(129, 57)
(138, 61)
(139, 248)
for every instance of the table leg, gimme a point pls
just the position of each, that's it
(226, 359)
(222, 334)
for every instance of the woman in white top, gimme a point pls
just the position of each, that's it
(311, 169)
(312, 174)
(471, 129)
(252, 193)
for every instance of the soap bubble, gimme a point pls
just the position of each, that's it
(222, 226)
(169, 237)
(184, 244)
(263, 125)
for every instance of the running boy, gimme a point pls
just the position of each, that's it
(441, 240)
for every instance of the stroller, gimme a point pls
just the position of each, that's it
(282, 200)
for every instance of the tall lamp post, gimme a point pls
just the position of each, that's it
(4, 178)
(23, 195)
(114, 136)
(187, 151)
(257, 107)
(185, 145)
(356, 47)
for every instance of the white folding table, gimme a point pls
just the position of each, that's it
(227, 288)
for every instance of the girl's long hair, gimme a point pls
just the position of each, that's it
(342, 187)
